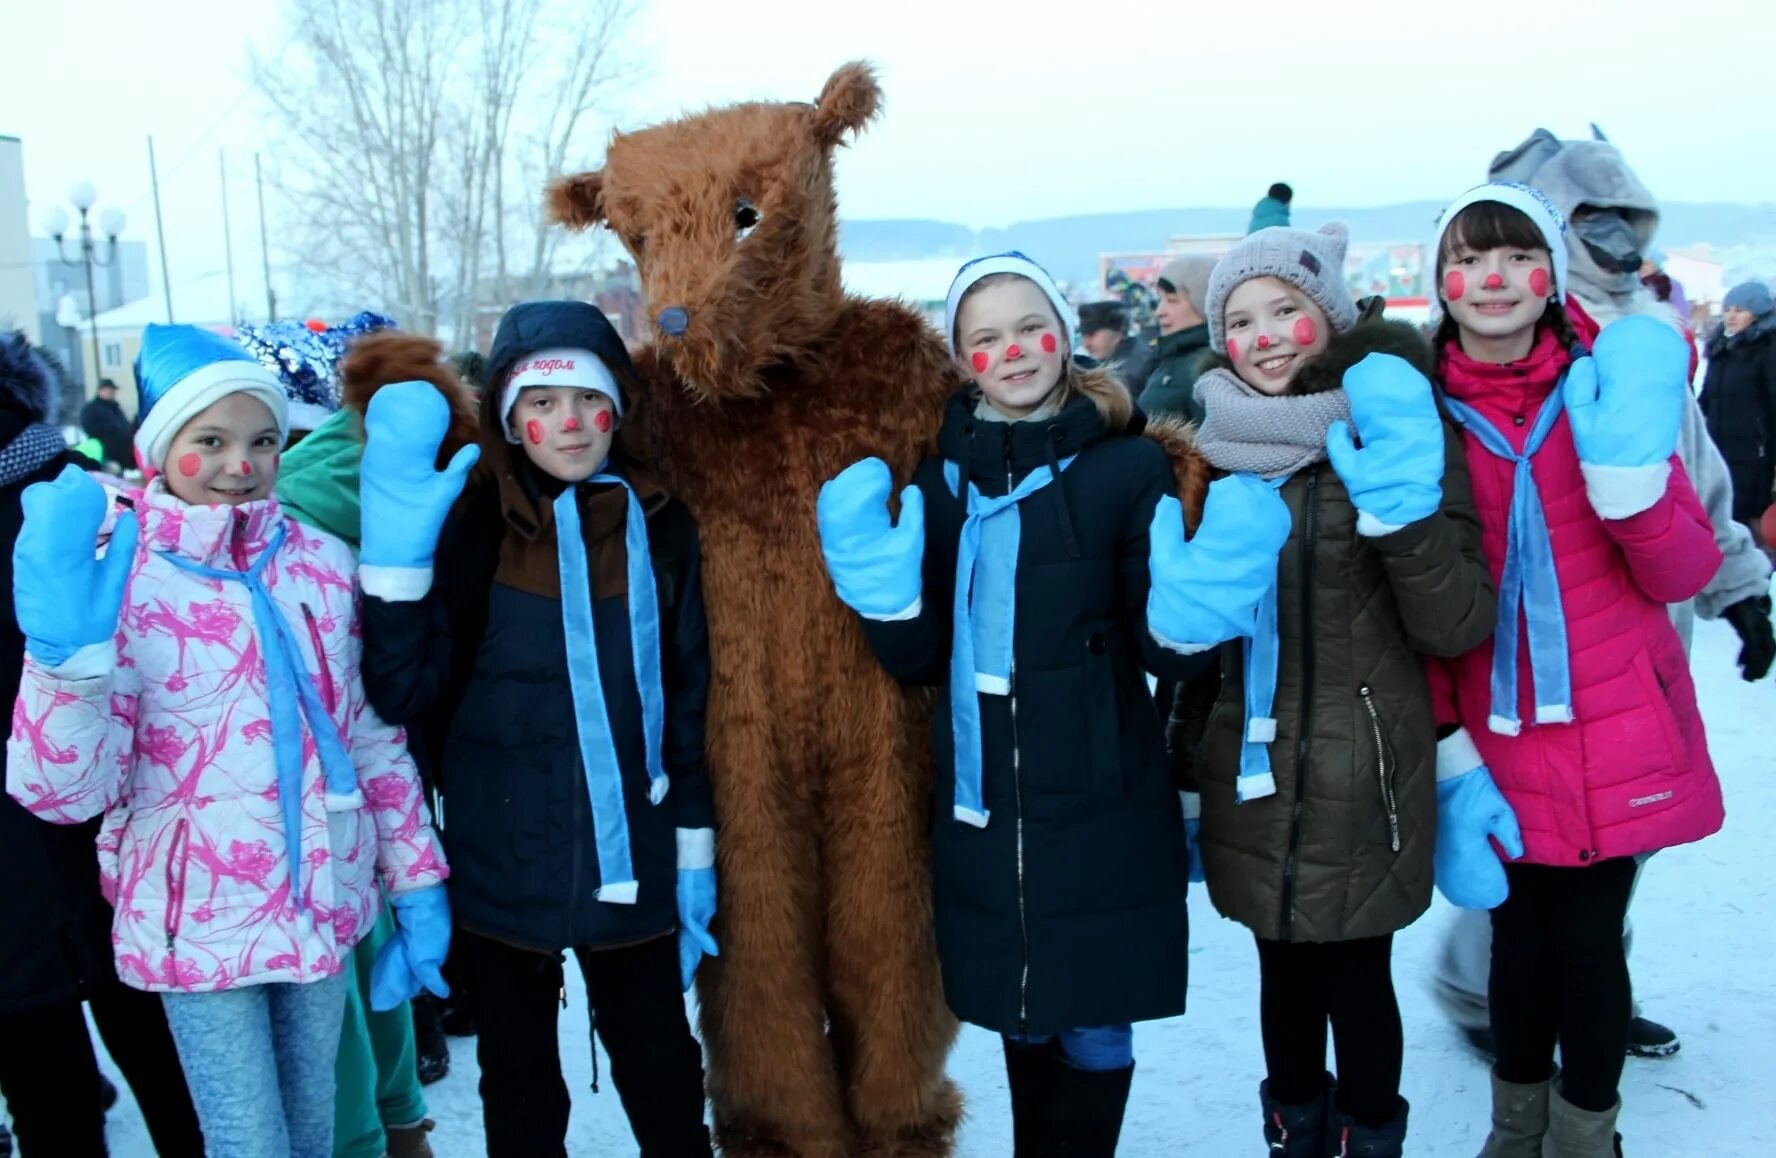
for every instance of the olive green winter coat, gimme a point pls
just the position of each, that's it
(1343, 849)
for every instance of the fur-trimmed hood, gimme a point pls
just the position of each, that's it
(27, 380)
(1373, 334)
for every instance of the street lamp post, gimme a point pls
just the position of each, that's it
(82, 196)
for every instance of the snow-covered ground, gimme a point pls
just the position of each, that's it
(1704, 945)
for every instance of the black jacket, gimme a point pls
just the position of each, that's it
(55, 927)
(1068, 909)
(106, 421)
(1739, 402)
(478, 669)
(1178, 360)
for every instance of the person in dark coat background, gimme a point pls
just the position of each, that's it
(103, 418)
(563, 834)
(1739, 397)
(1182, 353)
(1103, 331)
(55, 926)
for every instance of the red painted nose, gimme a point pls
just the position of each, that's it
(1014, 351)
(571, 424)
(1264, 341)
(1493, 281)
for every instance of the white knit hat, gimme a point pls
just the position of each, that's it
(1529, 201)
(580, 369)
(1011, 262)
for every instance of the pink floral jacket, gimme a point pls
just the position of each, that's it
(170, 737)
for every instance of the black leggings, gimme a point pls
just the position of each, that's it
(49, 1074)
(1349, 984)
(639, 1014)
(1559, 973)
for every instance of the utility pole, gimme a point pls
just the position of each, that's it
(166, 281)
(227, 237)
(271, 303)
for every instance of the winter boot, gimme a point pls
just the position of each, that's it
(1296, 1131)
(1519, 1119)
(1085, 1111)
(1647, 1038)
(1352, 1139)
(1576, 1133)
(410, 1141)
(1029, 1071)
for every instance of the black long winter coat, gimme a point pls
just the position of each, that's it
(1068, 909)
(478, 669)
(1739, 402)
(55, 927)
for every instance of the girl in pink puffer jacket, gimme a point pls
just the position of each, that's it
(198, 686)
(1581, 708)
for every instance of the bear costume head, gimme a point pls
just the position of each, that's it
(739, 257)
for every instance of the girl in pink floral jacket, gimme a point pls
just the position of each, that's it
(199, 687)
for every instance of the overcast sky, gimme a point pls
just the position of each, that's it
(998, 112)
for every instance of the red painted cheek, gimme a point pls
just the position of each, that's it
(1540, 283)
(1014, 351)
(603, 421)
(1049, 345)
(1454, 285)
(533, 430)
(1493, 281)
(980, 363)
(1306, 332)
(1233, 350)
(189, 465)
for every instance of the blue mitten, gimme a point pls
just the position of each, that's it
(696, 900)
(1470, 810)
(413, 958)
(1625, 403)
(876, 566)
(64, 597)
(1192, 802)
(1397, 478)
(1206, 591)
(403, 499)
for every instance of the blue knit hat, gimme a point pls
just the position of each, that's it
(180, 372)
(1751, 296)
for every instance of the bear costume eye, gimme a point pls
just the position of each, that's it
(746, 219)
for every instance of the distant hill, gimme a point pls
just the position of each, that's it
(1070, 246)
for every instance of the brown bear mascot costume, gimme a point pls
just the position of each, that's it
(824, 1016)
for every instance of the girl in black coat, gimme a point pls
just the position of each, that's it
(1739, 397)
(555, 663)
(1060, 858)
(55, 927)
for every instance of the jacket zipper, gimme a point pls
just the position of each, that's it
(1017, 781)
(178, 862)
(1305, 727)
(1382, 771)
(314, 636)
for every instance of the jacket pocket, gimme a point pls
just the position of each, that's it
(1660, 688)
(177, 865)
(1103, 716)
(1386, 764)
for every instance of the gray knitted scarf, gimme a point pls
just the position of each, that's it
(1247, 431)
(27, 453)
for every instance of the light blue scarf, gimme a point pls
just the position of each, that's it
(598, 746)
(985, 615)
(294, 701)
(1260, 650)
(1529, 584)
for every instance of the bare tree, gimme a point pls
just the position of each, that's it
(416, 137)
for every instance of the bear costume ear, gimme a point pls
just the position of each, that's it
(849, 101)
(578, 201)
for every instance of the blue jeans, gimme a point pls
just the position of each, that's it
(260, 1062)
(1101, 1050)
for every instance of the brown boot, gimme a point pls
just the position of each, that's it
(1519, 1119)
(1576, 1133)
(410, 1141)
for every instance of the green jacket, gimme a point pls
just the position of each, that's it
(1178, 360)
(318, 477)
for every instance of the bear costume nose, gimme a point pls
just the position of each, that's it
(673, 320)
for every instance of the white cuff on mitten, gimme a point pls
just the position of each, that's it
(395, 584)
(90, 662)
(911, 612)
(696, 849)
(1457, 755)
(1621, 492)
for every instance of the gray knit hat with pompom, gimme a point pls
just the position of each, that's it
(1310, 260)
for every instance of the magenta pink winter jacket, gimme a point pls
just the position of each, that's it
(170, 737)
(1632, 773)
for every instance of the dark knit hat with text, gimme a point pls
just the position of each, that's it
(1310, 260)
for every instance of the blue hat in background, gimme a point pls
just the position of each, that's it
(1751, 296)
(306, 360)
(180, 372)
